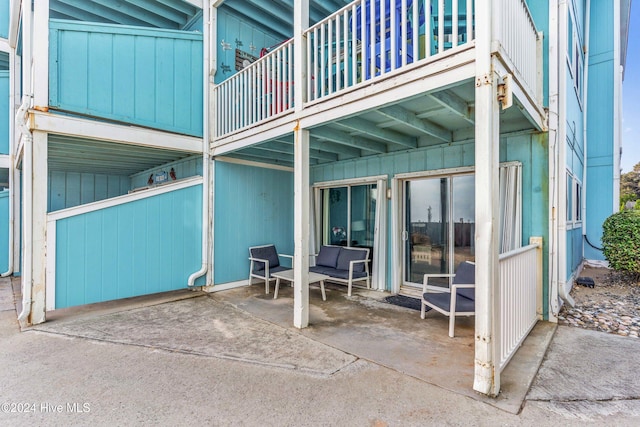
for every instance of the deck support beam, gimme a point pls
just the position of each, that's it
(38, 246)
(487, 158)
(301, 141)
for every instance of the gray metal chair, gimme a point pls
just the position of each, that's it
(458, 300)
(264, 261)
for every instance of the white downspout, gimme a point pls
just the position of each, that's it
(27, 162)
(585, 93)
(206, 229)
(14, 22)
(617, 105)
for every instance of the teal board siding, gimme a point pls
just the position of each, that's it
(253, 206)
(4, 19)
(600, 126)
(69, 189)
(4, 231)
(574, 250)
(191, 166)
(4, 112)
(142, 247)
(147, 77)
(236, 33)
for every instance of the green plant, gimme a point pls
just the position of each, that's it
(621, 241)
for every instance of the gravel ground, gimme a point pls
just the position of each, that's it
(612, 306)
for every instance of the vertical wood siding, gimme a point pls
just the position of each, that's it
(147, 77)
(69, 189)
(4, 231)
(253, 206)
(4, 112)
(185, 168)
(142, 247)
(4, 19)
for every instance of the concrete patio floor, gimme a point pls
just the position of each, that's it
(245, 324)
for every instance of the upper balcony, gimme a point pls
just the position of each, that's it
(418, 53)
(137, 63)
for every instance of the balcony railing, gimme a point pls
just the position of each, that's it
(518, 36)
(259, 92)
(520, 286)
(137, 75)
(370, 38)
(363, 42)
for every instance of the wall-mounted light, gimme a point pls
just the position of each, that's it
(388, 193)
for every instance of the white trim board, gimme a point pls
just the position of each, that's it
(102, 131)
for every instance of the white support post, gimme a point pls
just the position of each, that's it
(487, 151)
(39, 230)
(41, 55)
(301, 175)
(301, 229)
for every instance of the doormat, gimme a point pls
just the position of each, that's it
(404, 301)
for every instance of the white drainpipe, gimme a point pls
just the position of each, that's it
(12, 136)
(205, 148)
(585, 93)
(27, 210)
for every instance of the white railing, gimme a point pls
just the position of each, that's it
(518, 36)
(259, 92)
(520, 276)
(370, 38)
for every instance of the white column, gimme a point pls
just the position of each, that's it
(39, 230)
(41, 54)
(301, 176)
(487, 150)
(301, 229)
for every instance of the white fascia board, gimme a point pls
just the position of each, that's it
(4, 45)
(92, 129)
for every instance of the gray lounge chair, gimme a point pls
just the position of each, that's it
(265, 261)
(458, 300)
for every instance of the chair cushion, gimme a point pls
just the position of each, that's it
(265, 252)
(442, 300)
(328, 256)
(466, 274)
(348, 255)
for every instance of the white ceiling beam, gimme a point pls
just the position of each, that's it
(92, 129)
(371, 129)
(453, 103)
(346, 139)
(410, 119)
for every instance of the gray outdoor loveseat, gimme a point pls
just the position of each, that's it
(343, 265)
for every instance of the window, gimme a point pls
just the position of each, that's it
(573, 200)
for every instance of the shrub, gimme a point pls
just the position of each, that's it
(621, 241)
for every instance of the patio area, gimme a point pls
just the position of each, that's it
(246, 325)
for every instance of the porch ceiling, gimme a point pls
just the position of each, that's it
(440, 117)
(81, 155)
(277, 15)
(170, 14)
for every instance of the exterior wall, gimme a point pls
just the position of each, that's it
(142, 247)
(4, 112)
(147, 77)
(600, 125)
(540, 13)
(234, 32)
(252, 206)
(191, 166)
(4, 19)
(574, 251)
(69, 189)
(4, 230)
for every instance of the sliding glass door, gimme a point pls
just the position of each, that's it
(348, 215)
(438, 226)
